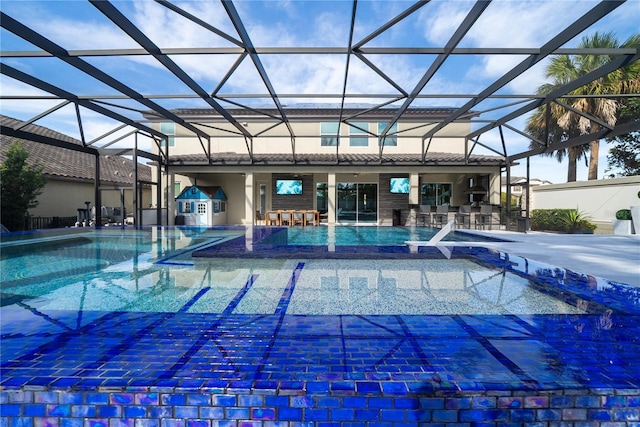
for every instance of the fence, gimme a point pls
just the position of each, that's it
(41, 222)
(599, 200)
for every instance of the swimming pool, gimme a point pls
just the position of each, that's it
(353, 235)
(128, 324)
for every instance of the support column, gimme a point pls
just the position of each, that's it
(331, 194)
(159, 194)
(97, 194)
(414, 197)
(171, 199)
(137, 214)
(528, 198)
(508, 215)
(249, 211)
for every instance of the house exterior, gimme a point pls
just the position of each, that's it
(519, 184)
(69, 177)
(202, 206)
(334, 158)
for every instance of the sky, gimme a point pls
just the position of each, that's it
(77, 25)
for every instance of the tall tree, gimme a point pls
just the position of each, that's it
(624, 156)
(590, 101)
(20, 185)
(537, 128)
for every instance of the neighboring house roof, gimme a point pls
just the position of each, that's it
(522, 180)
(195, 192)
(233, 159)
(69, 164)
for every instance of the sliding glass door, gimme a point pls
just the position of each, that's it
(367, 202)
(357, 203)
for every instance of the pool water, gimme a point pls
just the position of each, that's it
(347, 235)
(136, 310)
(153, 272)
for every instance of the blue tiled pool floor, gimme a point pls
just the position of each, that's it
(344, 354)
(202, 362)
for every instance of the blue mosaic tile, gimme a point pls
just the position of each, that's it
(329, 359)
(72, 422)
(394, 388)
(290, 414)
(10, 410)
(83, 411)
(35, 410)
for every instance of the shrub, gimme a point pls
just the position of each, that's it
(574, 221)
(547, 219)
(623, 214)
(565, 220)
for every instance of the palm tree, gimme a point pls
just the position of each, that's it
(536, 127)
(565, 123)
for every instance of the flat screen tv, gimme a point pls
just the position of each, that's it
(399, 185)
(288, 186)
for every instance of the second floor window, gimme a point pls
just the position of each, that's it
(169, 129)
(329, 134)
(358, 137)
(391, 140)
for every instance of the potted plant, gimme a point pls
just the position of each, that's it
(635, 217)
(622, 224)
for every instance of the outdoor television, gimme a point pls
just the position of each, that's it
(288, 186)
(399, 185)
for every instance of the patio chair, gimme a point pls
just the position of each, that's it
(260, 218)
(297, 218)
(310, 218)
(441, 216)
(273, 218)
(484, 217)
(285, 218)
(463, 216)
(425, 214)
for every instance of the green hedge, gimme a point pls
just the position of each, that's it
(564, 220)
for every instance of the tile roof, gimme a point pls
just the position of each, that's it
(311, 112)
(69, 164)
(235, 159)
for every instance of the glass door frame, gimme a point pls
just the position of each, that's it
(354, 204)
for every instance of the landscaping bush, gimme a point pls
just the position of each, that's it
(623, 214)
(547, 219)
(563, 220)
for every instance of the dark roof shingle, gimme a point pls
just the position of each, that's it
(60, 162)
(235, 159)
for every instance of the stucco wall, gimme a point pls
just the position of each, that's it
(598, 199)
(64, 198)
(278, 140)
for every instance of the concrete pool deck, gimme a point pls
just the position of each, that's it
(607, 256)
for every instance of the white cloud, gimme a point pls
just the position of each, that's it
(61, 27)
(441, 19)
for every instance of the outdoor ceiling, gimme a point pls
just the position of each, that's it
(124, 59)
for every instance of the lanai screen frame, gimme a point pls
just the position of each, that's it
(244, 49)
